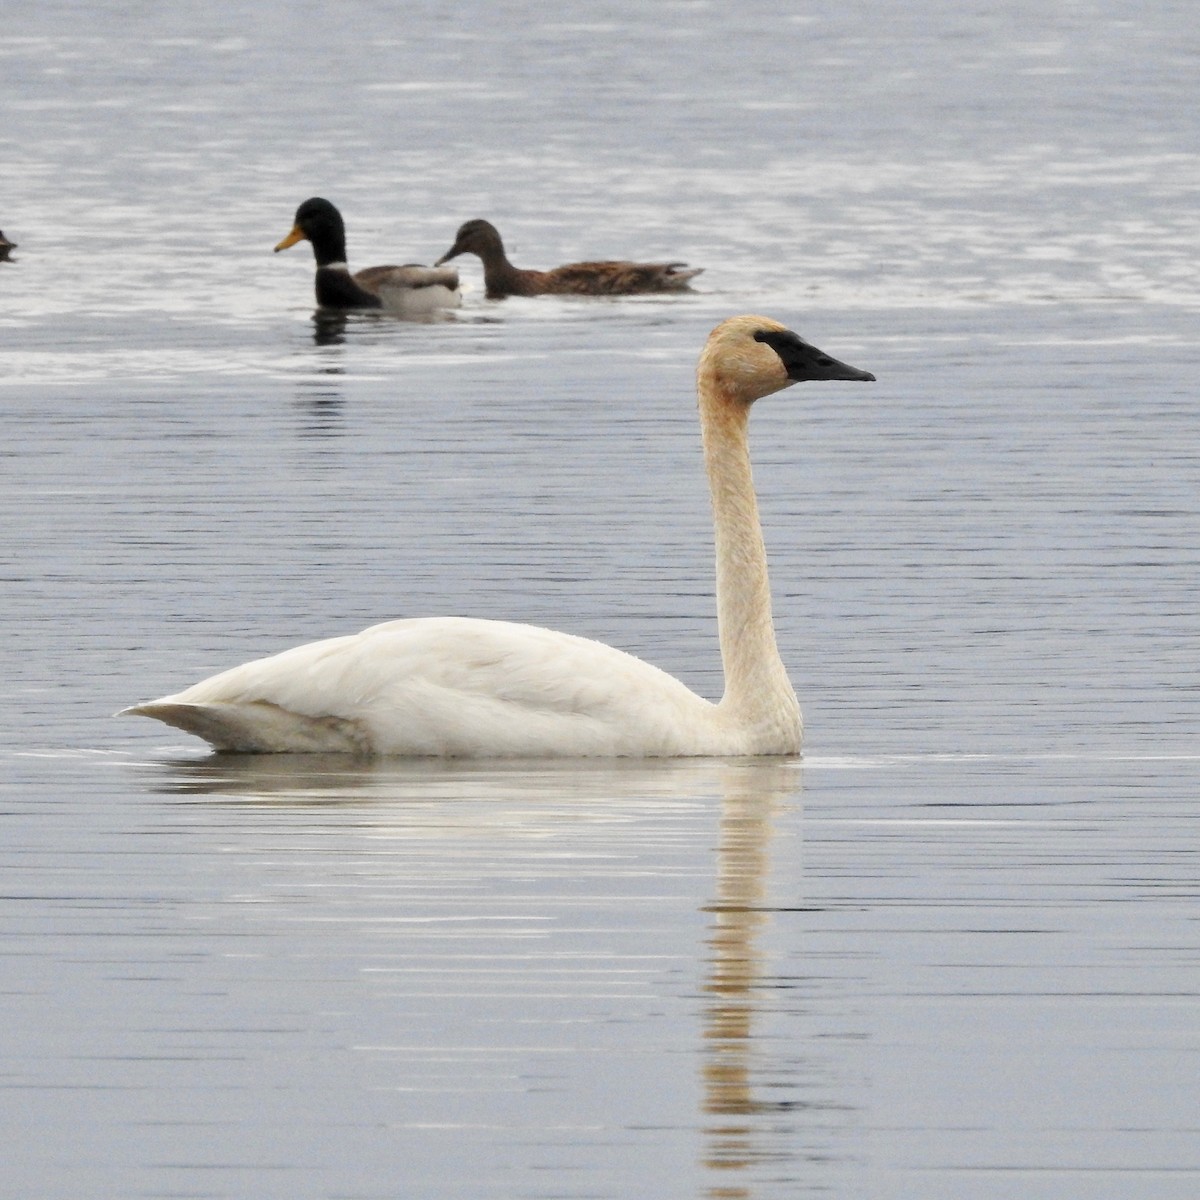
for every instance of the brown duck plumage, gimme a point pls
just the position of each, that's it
(575, 279)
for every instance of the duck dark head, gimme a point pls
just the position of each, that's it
(474, 237)
(318, 222)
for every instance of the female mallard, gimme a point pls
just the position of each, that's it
(6, 248)
(410, 290)
(575, 279)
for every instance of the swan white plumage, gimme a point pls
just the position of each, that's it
(456, 686)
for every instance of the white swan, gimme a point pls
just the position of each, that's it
(454, 686)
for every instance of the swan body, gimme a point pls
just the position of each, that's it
(447, 687)
(502, 279)
(461, 687)
(6, 248)
(410, 290)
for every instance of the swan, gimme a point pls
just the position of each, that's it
(575, 279)
(6, 248)
(409, 290)
(462, 687)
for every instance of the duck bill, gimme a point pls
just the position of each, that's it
(297, 235)
(453, 252)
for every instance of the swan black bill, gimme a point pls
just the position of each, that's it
(803, 361)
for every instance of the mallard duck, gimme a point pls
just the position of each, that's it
(575, 279)
(411, 290)
(6, 248)
(462, 687)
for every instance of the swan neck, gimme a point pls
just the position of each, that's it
(757, 689)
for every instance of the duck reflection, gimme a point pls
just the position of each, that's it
(321, 404)
(329, 328)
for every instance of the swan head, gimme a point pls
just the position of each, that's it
(473, 237)
(750, 357)
(318, 222)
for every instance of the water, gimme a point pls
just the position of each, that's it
(952, 953)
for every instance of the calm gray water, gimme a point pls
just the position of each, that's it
(952, 954)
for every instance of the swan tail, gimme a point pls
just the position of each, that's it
(257, 728)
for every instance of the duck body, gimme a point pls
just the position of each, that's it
(464, 687)
(409, 290)
(613, 278)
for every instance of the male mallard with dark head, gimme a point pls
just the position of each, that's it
(410, 290)
(6, 248)
(575, 279)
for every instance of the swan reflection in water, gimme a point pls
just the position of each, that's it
(579, 786)
(502, 799)
(736, 988)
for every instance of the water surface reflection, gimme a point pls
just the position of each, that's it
(737, 984)
(594, 812)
